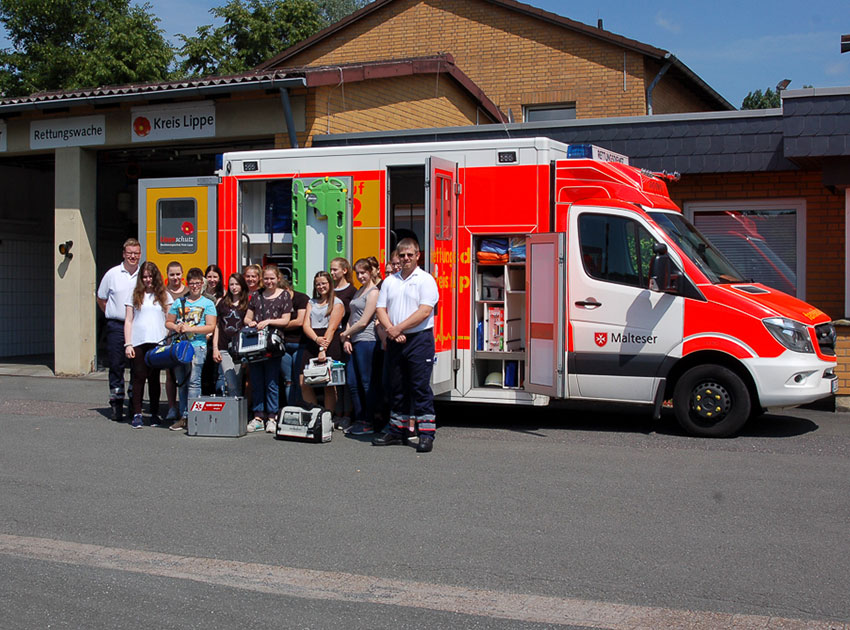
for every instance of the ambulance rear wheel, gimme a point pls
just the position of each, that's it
(711, 401)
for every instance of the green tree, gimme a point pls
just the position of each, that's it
(759, 100)
(334, 10)
(72, 44)
(253, 31)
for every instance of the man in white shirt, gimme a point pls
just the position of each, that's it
(114, 292)
(406, 311)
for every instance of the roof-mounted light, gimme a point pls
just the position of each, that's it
(592, 152)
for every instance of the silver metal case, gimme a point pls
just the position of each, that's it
(218, 416)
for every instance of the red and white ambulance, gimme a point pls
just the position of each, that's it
(564, 273)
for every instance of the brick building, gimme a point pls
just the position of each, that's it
(533, 64)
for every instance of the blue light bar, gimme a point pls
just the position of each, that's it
(576, 151)
(592, 152)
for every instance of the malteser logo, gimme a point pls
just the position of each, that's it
(601, 338)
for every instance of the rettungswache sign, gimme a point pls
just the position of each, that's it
(67, 132)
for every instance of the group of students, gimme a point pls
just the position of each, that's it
(337, 323)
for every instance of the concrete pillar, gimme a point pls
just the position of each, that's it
(75, 277)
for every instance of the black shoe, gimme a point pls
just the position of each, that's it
(117, 410)
(426, 444)
(387, 439)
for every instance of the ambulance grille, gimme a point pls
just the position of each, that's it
(826, 338)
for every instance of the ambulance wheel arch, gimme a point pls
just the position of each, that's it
(716, 378)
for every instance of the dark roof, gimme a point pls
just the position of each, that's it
(307, 76)
(811, 130)
(154, 91)
(712, 142)
(816, 124)
(652, 52)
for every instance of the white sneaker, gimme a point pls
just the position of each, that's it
(271, 426)
(255, 425)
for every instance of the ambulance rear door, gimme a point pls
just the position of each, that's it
(177, 221)
(545, 285)
(441, 215)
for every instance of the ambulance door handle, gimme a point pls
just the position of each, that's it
(589, 303)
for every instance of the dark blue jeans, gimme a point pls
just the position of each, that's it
(265, 377)
(360, 377)
(289, 373)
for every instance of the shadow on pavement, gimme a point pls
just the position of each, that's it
(532, 420)
(778, 426)
(602, 418)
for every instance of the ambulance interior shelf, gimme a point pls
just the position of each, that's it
(499, 311)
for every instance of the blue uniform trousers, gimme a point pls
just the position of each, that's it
(410, 367)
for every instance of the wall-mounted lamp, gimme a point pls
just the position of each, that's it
(65, 249)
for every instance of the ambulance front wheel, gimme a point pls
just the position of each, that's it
(711, 401)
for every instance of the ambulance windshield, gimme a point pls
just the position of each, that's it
(704, 255)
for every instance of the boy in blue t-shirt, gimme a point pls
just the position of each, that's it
(193, 316)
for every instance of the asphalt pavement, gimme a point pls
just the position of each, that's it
(519, 518)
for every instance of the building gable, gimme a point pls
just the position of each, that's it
(519, 55)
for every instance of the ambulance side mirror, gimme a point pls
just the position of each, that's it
(663, 277)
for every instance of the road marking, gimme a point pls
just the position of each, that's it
(331, 585)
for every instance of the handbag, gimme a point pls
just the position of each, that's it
(170, 353)
(317, 374)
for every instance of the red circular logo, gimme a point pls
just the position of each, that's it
(141, 126)
(187, 228)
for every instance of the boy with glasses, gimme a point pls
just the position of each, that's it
(193, 316)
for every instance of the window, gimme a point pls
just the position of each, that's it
(443, 211)
(615, 249)
(764, 240)
(176, 226)
(543, 113)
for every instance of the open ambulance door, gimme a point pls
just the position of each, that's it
(441, 196)
(545, 283)
(177, 221)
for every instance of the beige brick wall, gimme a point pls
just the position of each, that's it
(408, 102)
(517, 60)
(670, 96)
(842, 349)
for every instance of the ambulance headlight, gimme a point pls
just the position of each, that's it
(793, 335)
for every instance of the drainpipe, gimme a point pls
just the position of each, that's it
(287, 114)
(664, 69)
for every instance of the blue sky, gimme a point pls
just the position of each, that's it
(735, 46)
